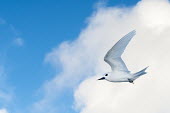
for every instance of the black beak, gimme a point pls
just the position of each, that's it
(101, 78)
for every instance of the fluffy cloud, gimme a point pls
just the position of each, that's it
(83, 58)
(150, 46)
(3, 111)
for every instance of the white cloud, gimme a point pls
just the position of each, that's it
(3, 110)
(6, 92)
(83, 58)
(19, 41)
(150, 46)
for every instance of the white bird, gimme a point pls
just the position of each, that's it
(120, 72)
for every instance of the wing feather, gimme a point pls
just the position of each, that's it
(113, 56)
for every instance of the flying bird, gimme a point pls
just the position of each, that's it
(120, 72)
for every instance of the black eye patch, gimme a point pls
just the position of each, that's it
(106, 74)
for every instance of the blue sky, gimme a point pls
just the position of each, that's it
(28, 31)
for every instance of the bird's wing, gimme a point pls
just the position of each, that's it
(113, 56)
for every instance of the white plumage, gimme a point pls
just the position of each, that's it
(120, 72)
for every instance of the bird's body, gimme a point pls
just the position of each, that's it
(118, 76)
(120, 72)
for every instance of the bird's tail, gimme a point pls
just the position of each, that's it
(142, 72)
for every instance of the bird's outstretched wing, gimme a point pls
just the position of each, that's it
(113, 56)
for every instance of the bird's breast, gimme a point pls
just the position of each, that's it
(119, 76)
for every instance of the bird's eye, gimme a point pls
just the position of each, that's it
(106, 74)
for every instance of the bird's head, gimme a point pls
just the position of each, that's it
(104, 77)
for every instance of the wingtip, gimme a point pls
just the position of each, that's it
(134, 31)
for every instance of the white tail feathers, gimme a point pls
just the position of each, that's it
(142, 72)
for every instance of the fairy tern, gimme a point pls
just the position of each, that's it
(120, 72)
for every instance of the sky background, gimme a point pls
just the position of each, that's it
(33, 36)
